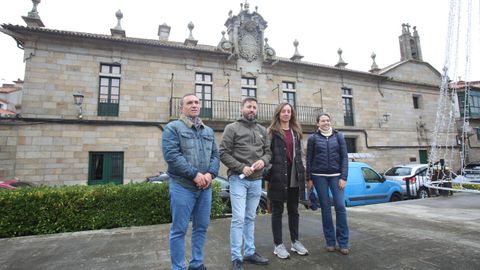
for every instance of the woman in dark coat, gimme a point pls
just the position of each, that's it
(286, 178)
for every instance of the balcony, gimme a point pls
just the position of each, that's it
(223, 110)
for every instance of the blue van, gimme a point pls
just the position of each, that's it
(366, 186)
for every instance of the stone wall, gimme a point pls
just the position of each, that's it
(58, 153)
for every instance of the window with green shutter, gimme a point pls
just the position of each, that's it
(105, 167)
(109, 90)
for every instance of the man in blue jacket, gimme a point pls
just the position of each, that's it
(193, 161)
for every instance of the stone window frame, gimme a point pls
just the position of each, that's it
(351, 143)
(203, 87)
(417, 101)
(110, 75)
(289, 89)
(347, 104)
(249, 85)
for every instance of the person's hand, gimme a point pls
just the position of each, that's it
(309, 186)
(247, 170)
(208, 179)
(342, 184)
(200, 180)
(258, 165)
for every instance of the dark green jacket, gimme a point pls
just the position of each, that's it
(243, 143)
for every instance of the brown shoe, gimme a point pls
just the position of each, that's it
(330, 249)
(344, 251)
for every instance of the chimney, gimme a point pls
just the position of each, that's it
(163, 32)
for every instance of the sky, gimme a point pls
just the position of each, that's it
(321, 27)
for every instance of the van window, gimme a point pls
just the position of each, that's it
(371, 176)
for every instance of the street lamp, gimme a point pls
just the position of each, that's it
(78, 100)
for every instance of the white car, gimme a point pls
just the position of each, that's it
(416, 175)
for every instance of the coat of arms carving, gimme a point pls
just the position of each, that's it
(249, 41)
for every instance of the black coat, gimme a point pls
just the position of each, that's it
(277, 177)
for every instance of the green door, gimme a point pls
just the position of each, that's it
(105, 167)
(423, 156)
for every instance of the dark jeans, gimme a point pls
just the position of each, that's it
(293, 216)
(340, 233)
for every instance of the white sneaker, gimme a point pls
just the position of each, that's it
(299, 248)
(281, 252)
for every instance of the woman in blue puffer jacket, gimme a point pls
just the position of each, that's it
(327, 169)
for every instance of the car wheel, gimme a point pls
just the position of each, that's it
(396, 197)
(423, 193)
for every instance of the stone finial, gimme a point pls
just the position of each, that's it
(34, 13)
(190, 41)
(296, 56)
(270, 53)
(256, 9)
(415, 33)
(33, 19)
(190, 28)
(118, 31)
(119, 16)
(246, 6)
(230, 14)
(341, 63)
(164, 32)
(374, 68)
(224, 44)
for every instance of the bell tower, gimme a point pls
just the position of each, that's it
(410, 48)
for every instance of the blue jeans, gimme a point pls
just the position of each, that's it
(322, 185)
(185, 204)
(244, 197)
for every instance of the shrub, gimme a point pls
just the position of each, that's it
(44, 210)
(467, 186)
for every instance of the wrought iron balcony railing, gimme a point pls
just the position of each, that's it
(223, 110)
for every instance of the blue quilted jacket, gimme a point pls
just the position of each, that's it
(327, 155)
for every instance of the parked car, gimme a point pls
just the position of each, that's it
(224, 192)
(472, 171)
(157, 179)
(460, 179)
(366, 186)
(416, 174)
(12, 184)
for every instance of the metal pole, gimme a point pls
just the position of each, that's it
(228, 95)
(171, 95)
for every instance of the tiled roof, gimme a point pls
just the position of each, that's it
(159, 43)
(9, 89)
(140, 41)
(461, 85)
(287, 60)
(6, 112)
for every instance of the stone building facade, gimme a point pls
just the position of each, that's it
(131, 88)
